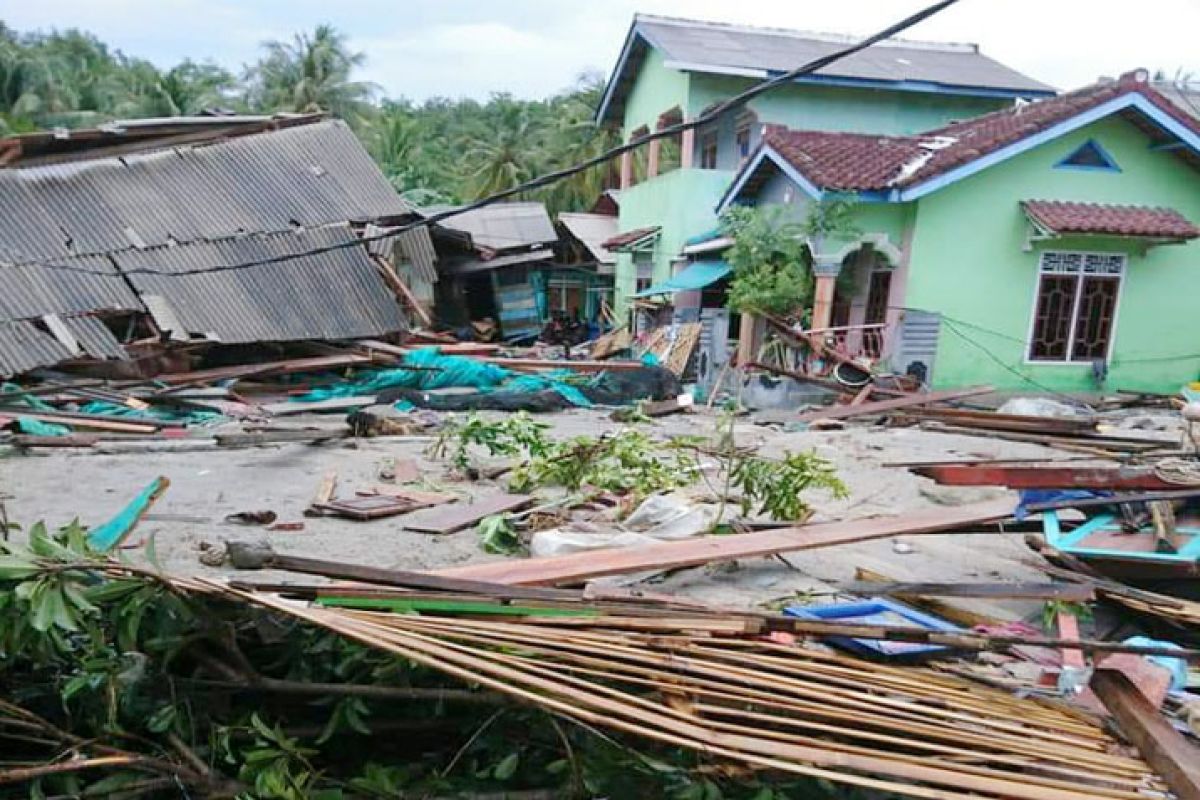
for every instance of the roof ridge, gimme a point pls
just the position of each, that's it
(821, 36)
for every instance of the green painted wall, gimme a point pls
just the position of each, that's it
(657, 89)
(969, 264)
(836, 108)
(682, 202)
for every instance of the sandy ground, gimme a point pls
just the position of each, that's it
(56, 486)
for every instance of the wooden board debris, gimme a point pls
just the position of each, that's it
(893, 403)
(1163, 748)
(467, 514)
(1048, 477)
(374, 506)
(579, 567)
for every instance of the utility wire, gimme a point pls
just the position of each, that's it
(725, 107)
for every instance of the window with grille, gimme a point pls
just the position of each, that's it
(1076, 305)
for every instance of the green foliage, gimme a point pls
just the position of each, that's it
(774, 487)
(623, 462)
(512, 435)
(770, 272)
(1052, 608)
(498, 535)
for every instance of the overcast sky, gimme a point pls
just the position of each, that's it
(532, 48)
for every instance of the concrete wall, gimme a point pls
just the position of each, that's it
(968, 263)
(683, 202)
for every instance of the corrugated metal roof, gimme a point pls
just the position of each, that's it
(24, 346)
(592, 230)
(714, 47)
(502, 226)
(88, 283)
(333, 295)
(64, 228)
(717, 45)
(95, 338)
(311, 175)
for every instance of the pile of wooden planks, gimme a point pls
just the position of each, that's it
(699, 683)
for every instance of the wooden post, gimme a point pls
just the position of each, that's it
(626, 169)
(687, 146)
(655, 148)
(745, 351)
(823, 301)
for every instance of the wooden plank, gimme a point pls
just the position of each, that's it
(939, 608)
(402, 292)
(316, 363)
(1019, 477)
(1175, 759)
(894, 403)
(90, 421)
(330, 406)
(1076, 593)
(249, 556)
(579, 567)
(465, 515)
(970, 416)
(826, 383)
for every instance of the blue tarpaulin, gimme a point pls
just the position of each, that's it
(694, 276)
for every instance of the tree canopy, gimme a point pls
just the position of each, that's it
(439, 151)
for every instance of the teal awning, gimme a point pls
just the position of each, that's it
(694, 276)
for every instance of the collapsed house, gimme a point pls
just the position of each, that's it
(505, 266)
(122, 243)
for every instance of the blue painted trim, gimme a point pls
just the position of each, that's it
(1128, 100)
(614, 77)
(1109, 165)
(921, 87)
(1076, 536)
(765, 152)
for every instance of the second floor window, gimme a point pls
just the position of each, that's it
(708, 151)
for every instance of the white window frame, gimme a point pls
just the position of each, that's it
(1117, 266)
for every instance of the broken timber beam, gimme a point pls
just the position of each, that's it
(581, 567)
(1172, 757)
(1019, 477)
(893, 403)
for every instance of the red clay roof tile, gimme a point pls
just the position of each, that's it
(860, 162)
(1095, 218)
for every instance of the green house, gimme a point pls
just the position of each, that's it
(671, 70)
(1048, 246)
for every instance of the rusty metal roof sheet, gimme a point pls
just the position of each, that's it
(333, 295)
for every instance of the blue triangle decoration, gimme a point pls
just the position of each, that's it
(1090, 155)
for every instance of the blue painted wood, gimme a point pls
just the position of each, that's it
(109, 535)
(876, 611)
(1071, 542)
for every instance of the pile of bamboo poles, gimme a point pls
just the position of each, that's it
(770, 704)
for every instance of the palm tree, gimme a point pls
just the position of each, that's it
(310, 73)
(506, 155)
(574, 138)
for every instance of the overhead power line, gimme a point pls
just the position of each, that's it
(714, 113)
